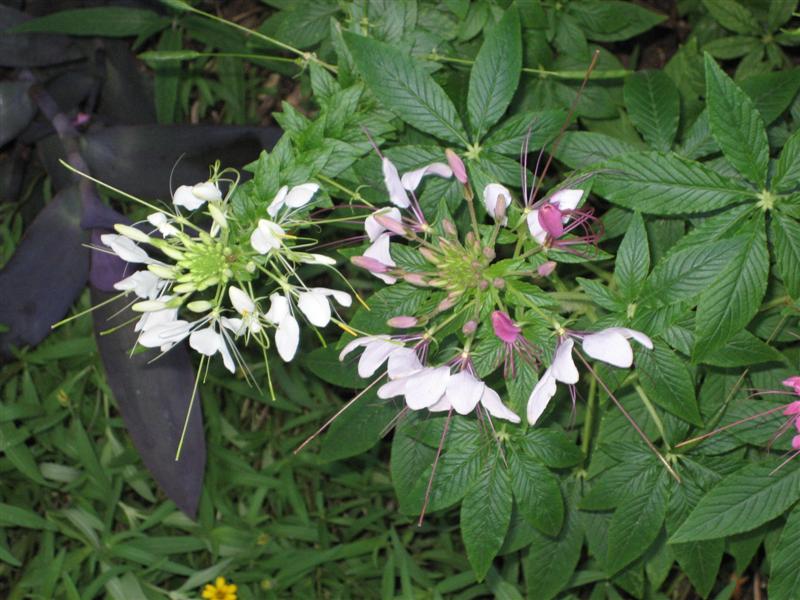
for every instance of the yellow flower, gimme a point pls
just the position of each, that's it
(219, 590)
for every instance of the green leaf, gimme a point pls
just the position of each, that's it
(742, 350)
(167, 77)
(551, 561)
(734, 46)
(685, 274)
(734, 297)
(786, 242)
(732, 15)
(668, 382)
(509, 136)
(742, 501)
(398, 82)
(633, 259)
(579, 149)
(537, 493)
(736, 124)
(701, 561)
(635, 525)
(613, 20)
(358, 428)
(772, 93)
(550, 447)
(784, 578)
(111, 21)
(485, 516)
(665, 184)
(654, 106)
(787, 170)
(495, 74)
(15, 516)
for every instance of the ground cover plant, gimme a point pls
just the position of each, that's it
(410, 298)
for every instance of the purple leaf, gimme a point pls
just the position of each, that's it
(46, 273)
(154, 398)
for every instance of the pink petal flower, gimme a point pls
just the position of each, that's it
(504, 327)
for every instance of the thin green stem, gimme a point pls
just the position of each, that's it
(543, 73)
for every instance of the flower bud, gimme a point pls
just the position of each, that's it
(218, 215)
(446, 304)
(402, 322)
(489, 253)
(430, 255)
(200, 306)
(456, 165)
(132, 233)
(449, 228)
(149, 306)
(185, 288)
(504, 327)
(546, 268)
(469, 239)
(162, 271)
(551, 220)
(499, 283)
(391, 224)
(250, 267)
(500, 209)
(415, 279)
(469, 327)
(370, 264)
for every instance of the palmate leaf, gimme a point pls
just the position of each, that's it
(665, 184)
(495, 74)
(654, 106)
(405, 88)
(633, 258)
(537, 493)
(667, 382)
(742, 501)
(734, 297)
(786, 241)
(736, 124)
(787, 170)
(485, 516)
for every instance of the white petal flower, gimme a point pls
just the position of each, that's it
(342, 298)
(278, 201)
(379, 250)
(490, 400)
(563, 367)
(207, 191)
(397, 194)
(424, 388)
(287, 337)
(208, 341)
(278, 309)
(492, 194)
(160, 221)
(411, 180)
(267, 236)
(246, 307)
(373, 228)
(300, 195)
(126, 249)
(158, 317)
(540, 397)
(143, 283)
(165, 335)
(193, 197)
(464, 391)
(403, 363)
(376, 350)
(315, 307)
(611, 345)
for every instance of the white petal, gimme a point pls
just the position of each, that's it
(165, 334)
(184, 196)
(491, 196)
(540, 396)
(207, 191)
(463, 392)
(206, 341)
(300, 195)
(232, 324)
(343, 298)
(640, 337)
(227, 358)
(490, 400)
(566, 200)
(397, 194)
(143, 283)
(375, 354)
(373, 228)
(241, 301)
(609, 346)
(126, 248)
(315, 307)
(267, 236)
(353, 344)
(426, 387)
(563, 367)
(287, 336)
(278, 201)
(411, 179)
(278, 308)
(379, 250)
(537, 231)
(403, 362)
(442, 405)
(158, 317)
(391, 389)
(316, 259)
(160, 222)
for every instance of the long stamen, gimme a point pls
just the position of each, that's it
(700, 438)
(433, 467)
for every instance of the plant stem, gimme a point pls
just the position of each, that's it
(542, 73)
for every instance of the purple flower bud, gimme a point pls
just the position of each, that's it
(469, 327)
(551, 220)
(429, 255)
(504, 327)
(457, 166)
(390, 224)
(415, 279)
(446, 304)
(499, 283)
(449, 228)
(546, 268)
(403, 322)
(489, 253)
(370, 264)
